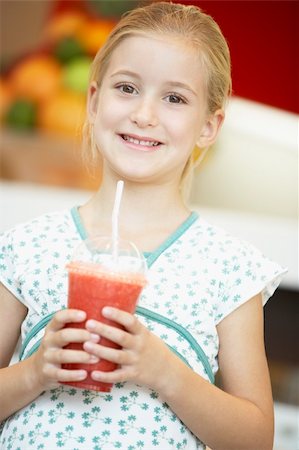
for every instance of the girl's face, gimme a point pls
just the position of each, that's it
(150, 110)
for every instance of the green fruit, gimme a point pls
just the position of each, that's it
(115, 8)
(67, 49)
(21, 115)
(76, 74)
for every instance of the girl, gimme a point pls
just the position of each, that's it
(157, 92)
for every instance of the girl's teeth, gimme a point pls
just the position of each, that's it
(137, 142)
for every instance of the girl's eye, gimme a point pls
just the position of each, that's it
(175, 98)
(126, 88)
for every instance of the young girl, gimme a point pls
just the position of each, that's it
(157, 95)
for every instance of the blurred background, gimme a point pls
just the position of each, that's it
(248, 182)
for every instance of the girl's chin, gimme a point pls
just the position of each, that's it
(134, 174)
(135, 177)
(131, 168)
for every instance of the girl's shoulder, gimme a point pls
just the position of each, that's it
(218, 239)
(242, 269)
(29, 242)
(31, 251)
(49, 223)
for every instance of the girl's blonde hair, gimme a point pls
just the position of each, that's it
(193, 26)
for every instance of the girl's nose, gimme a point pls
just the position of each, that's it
(144, 113)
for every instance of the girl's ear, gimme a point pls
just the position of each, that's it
(92, 102)
(210, 129)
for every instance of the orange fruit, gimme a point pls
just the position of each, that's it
(93, 33)
(36, 78)
(64, 25)
(63, 113)
(6, 97)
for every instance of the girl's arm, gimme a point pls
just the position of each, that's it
(15, 384)
(241, 415)
(237, 417)
(22, 382)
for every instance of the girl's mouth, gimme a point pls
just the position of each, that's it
(141, 143)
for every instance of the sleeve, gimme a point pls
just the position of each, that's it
(8, 264)
(245, 272)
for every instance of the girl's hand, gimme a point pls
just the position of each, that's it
(51, 354)
(142, 358)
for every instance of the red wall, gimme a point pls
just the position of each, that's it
(263, 39)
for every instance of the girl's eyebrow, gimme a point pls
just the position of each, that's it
(181, 85)
(172, 84)
(129, 73)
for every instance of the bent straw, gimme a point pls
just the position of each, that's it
(115, 214)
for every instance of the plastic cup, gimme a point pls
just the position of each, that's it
(100, 277)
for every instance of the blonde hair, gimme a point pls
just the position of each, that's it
(189, 23)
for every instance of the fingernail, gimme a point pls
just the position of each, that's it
(91, 324)
(82, 375)
(95, 375)
(93, 359)
(94, 337)
(81, 314)
(107, 312)
(88, 346)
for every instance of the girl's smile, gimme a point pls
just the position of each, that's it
(141, 143)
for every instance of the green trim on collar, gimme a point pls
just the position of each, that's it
(172, 238)
(78, 222)
(151, 257)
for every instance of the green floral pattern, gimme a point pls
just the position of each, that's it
(196, 278)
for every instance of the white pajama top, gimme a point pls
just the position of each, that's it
(198, 276)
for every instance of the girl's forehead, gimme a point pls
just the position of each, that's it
(159, 40)
(156, 50)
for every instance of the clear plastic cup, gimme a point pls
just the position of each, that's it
(98, 277)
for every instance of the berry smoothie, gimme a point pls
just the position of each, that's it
(90, 289)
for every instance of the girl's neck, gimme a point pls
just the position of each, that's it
(148, 213)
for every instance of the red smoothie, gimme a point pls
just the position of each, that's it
(90, 289)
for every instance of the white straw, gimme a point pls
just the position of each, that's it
(115, 214)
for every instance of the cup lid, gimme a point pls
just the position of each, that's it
(100, 250)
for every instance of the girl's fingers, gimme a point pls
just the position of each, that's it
(116, 376)
(76, 335)
(71, 375)
(129, 321)
(66, 316)
(67, 375)
(62, 356)
(122, 337)
(117, 356)
(117, 335)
